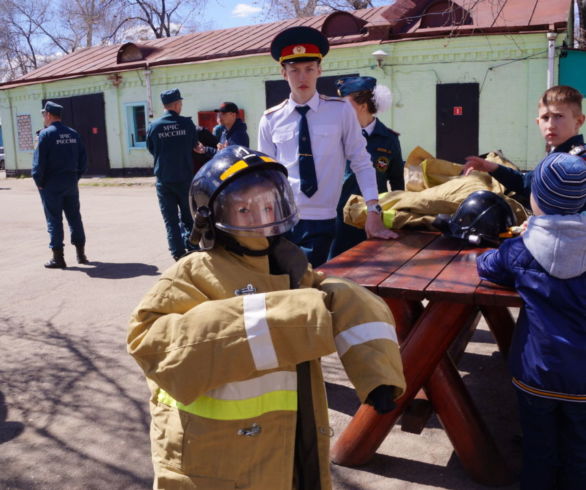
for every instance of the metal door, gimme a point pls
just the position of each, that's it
(86, 114)
(456, 121)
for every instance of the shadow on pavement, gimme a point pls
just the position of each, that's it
(8, 430)
(82, 416)
(113, 270)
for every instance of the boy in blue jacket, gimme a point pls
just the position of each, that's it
(547, 266)
(559, 117)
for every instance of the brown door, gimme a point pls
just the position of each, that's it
(456, 121)
(86, 114)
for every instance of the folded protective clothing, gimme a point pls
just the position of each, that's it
(419, 209)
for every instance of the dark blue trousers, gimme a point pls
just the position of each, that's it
(554, 443)
(174, 204)
(314, 237)
(55, 204)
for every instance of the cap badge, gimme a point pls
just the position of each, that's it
(299, 49)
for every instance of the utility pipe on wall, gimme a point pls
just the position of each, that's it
(551, 37)
(147, 78)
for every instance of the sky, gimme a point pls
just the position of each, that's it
(223, 14)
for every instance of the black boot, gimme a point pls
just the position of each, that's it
(81, 258)
(58, 261)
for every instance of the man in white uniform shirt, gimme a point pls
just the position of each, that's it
(329, 136)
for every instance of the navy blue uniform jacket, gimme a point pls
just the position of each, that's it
(385, 152)
(171, 140)
(60, 159)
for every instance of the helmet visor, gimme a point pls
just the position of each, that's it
(256, 204)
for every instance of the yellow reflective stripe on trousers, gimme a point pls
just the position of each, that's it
(213, 408)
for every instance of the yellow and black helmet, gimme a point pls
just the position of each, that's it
(241, 192)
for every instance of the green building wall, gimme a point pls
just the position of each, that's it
(510, 70)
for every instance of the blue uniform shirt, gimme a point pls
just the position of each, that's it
(171, 139)
(59, 159)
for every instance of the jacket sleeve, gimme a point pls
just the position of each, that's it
(188, 344)
(150, 140)
(355, 151)
(40, 156)
(81, 159)
(396, 173)
(365, 337)
(265, 140)
(492, 266)
(206, 138)
(513, 180)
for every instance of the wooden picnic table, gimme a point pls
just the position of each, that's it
(422, 266)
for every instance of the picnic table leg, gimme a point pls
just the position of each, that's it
(472, 441)
(405, 313)
(433, 333)
(501, 324)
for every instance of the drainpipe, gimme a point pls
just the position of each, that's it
(147, 79)
(551, 37)
(576, 32)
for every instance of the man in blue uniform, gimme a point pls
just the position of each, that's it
(59, 161)
(314, 136)
(171, 140)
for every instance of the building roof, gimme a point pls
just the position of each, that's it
(402, 19)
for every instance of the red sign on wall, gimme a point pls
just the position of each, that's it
(458, 110)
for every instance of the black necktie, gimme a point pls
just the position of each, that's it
(306, 163)
(365, 133)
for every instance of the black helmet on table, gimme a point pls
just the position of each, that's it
(240, 192)
(480, 219)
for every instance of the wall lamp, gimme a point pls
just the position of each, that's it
(379, 55)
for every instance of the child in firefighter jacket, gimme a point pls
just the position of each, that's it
(230, 338)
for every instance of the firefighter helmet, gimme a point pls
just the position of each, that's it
(241, 192)
(480, 219)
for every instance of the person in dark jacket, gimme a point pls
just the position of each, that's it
(547, 266)
(58, 163)
(171, 140)
(559, 119)
(233, 130)
(382, 144)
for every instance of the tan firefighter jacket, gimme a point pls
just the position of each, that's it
(220, 340)
(434, 187)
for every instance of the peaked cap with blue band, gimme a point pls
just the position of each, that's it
(298, 44)
(349, 85)
(559, 184)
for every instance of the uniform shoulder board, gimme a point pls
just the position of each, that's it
(327, 97)
(579, 151)
(276, 107)
(394, 132)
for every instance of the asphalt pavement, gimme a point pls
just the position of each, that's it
(73, 403)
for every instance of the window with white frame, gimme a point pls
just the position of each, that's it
(136, 124)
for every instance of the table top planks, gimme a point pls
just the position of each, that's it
(420, 265)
